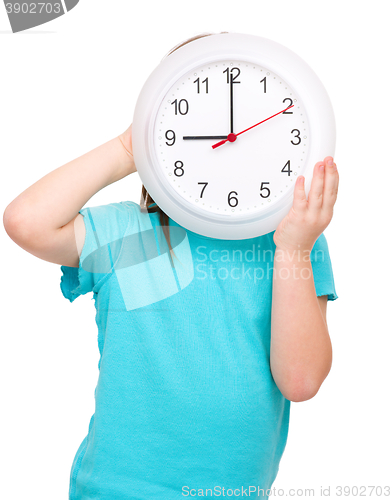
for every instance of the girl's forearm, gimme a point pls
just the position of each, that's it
(57, 197)
(301, 351)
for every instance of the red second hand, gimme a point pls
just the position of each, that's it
(233, 137)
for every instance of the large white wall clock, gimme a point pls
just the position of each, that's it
(223, 127)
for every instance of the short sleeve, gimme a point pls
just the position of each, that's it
(322, 269)
(105, 227)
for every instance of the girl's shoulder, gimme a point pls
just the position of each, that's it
(109, 222)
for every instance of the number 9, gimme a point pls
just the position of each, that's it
(172, 138)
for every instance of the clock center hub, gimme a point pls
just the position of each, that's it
(231, 137)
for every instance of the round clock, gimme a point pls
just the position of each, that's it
(223, 127)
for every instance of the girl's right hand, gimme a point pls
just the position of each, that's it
(126, 140)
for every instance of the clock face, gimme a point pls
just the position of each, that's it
(253, 169)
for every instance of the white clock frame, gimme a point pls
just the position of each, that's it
(266, 53)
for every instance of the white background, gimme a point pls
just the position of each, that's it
(70, 85)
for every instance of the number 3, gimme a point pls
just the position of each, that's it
(296, 136)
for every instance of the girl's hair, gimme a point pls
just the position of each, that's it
(146, 201)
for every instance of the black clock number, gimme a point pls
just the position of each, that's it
(172, 138)
(296, 137)
(288, 171)
(182, 107)
(202, 191)
(262, 188)
(288, 105)
(265, 83)
(178, 166)
(230, 198)
(232, 72)
(198, 84)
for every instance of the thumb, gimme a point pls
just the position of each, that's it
(299, 202)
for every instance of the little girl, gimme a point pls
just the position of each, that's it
(203, 342)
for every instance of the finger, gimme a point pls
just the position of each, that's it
(331, 183)
(315, 198)
(300, 203)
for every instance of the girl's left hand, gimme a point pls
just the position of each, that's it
(307, 219)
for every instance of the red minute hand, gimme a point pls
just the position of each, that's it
(233, 137)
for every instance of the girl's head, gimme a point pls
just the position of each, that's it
(147, 204)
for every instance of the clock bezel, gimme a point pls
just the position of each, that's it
(224, 47)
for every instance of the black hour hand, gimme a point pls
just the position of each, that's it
(198, 137)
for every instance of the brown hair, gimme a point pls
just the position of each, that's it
(146, 201)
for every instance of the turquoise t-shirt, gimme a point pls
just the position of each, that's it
(185, 403)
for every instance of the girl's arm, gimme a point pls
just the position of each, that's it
(41, 219)
(301, 351)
